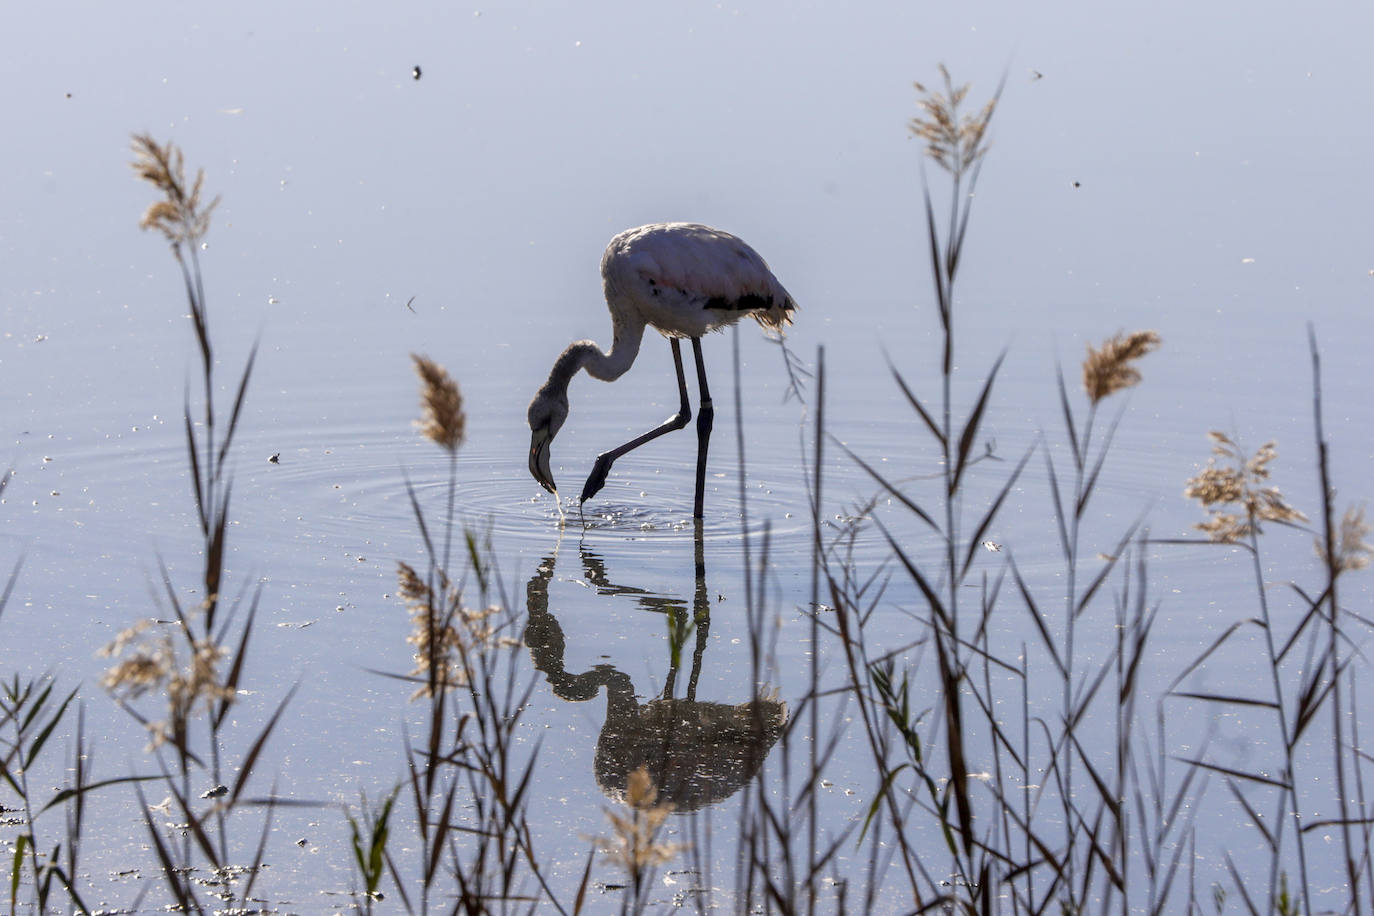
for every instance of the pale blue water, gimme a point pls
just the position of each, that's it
(1197, 171)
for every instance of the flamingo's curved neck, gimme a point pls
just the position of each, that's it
(585, 354)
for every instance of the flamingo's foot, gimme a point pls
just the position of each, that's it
(597, 478)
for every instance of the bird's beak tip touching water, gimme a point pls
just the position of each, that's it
(539, 461)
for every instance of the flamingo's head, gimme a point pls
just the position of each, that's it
(547, 413)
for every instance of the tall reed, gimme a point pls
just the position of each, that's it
(1001, 796)
(1307, 792)
(468, 782)
(179, 682)
(1079, 809)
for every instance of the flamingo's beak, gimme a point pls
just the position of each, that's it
(539, 459)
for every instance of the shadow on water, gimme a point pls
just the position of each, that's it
(698, 753)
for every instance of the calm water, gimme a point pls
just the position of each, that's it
(1201, 172)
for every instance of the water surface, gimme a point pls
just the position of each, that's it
(1144, 174)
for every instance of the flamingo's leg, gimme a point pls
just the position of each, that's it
(597, 479)
(705, 416)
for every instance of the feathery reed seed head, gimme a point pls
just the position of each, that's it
(179, 215)
(446, 635)
(1108, 369)
(151, 664)
(1233, 492)
(1352, 551)
(444, 421)
(635, 846)
(955, 143)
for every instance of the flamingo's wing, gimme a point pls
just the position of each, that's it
(687, 268)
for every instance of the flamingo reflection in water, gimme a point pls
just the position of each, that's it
(697, 753)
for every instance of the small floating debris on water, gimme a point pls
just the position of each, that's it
(275, 459)
(216, 792)
(415, 72)
(1247, 260)
(993, 546)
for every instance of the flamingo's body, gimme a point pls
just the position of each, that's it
(685, 280)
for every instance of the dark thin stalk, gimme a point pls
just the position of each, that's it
(1288, 797)
(816, 560)
(1332, 562)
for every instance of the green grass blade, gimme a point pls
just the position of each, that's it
(892, 490)
(1037, 618)
(237, 409)
(1231, 700)
(1106, 569)
(1090, 484)
(14, 573)
(1238, 774)
(193, 456)
(976, 540)
(1206, 653)
(65, 795)
(231, 680)
(916, 404)
(1069, 425)
(255, 750)
(975, 419)
(17, 866)
(42, 738)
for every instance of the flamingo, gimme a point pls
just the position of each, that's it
(684, 279)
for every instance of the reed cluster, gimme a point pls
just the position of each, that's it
(985, 797)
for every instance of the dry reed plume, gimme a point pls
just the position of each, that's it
(1239, 483)
(1352, 551)
(635, 846)
(955, 143)
(152, 665)
(444, 422)
(179, 216)
(1108, 369)
(445, 632)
